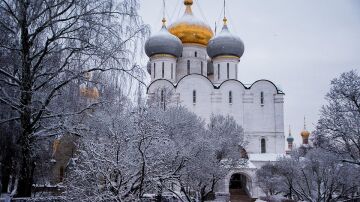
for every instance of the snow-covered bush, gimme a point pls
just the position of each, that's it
(127, 153)
(319, 175)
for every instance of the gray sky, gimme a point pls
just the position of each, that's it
(300, 45)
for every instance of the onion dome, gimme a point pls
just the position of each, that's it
(225, 43)
(290, 138)
(305, 134)
(163, 43)
(189, 29)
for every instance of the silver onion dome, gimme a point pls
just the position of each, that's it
(225, 43)
(163, 43)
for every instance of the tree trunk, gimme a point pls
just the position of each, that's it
(6, 171)
(26, 164)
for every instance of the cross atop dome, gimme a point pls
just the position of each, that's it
(225, 20)
(188, 4)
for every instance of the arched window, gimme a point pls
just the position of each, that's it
(218, 72)
(172, 70)
(230, 97)
(202, 68)
(195, 54)
(188, 67)
(163, 70)
(154, 69)
(262, 97)
(263, 145)
(194, 96)
(228, 70)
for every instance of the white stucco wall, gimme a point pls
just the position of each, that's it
(168, 62)
(221, 67)
(258, 120)
(188, 54)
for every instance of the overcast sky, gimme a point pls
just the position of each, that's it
(300, 45)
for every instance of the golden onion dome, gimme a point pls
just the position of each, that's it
(189, 29)
(305, 134)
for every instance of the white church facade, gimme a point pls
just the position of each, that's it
(201, 72)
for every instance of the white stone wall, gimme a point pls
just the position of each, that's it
(225, 68)
(160, 62)
(258, 120)
(189, 51)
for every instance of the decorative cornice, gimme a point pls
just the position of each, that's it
(214, 86)
(162, 56)
(226, 57)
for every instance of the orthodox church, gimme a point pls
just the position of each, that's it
(192, 67)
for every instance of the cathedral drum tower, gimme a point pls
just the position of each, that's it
(199, 71)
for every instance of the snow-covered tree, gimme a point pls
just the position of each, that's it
(46, 46)
(162, 98)
(269, 180)
(330, 170)
(126, 153)
(319, 175)
(209, 152)
(338, 129)
(112, 155)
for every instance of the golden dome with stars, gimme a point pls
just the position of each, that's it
(189, 29)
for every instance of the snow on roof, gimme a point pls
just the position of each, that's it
(250, 165)
(189, 19)
(265, 157)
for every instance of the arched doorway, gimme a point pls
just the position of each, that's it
(238, 188)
